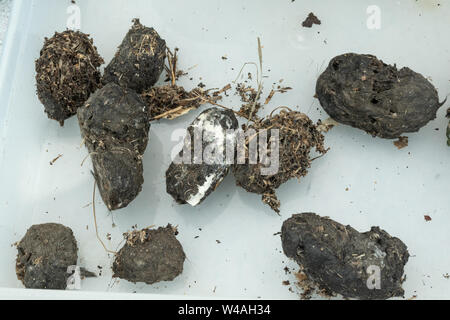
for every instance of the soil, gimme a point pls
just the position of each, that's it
(337, 257)
(150, 256)
(67, 72)
(363, 92)
(192, 182)
(402, 142)
(139, 61)
(44, 254)
(310, 20)
(297, 137)
(114, 125)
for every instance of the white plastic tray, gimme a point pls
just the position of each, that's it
(386, 187)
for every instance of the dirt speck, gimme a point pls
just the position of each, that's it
(311, 20)
(56, 159)
(401, 143)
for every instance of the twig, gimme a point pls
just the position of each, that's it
(260, 76)
(172, 59)
(82, 142)
(271, 94)
(327, 125)
(318, 157)
(84, 160)
(173, 111)
(242, 69)
(56, 159)
(95, 221)
(282, 107)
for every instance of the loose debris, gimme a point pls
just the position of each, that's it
(326, 125)
(172, 101)
(67, 72)
(273, 91)
(150, 256)
(139, 61)
(249, 95)
(56, 159)
(250, 98)
(269, 98)
(363, 92)
(401, 143)
(427, 218)
(339, 259)
(310, 20)
(308, 287)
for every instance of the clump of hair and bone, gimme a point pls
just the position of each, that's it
(297, 136)
(67, 72)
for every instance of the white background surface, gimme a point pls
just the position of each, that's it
(5, 11)
(386, 187)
